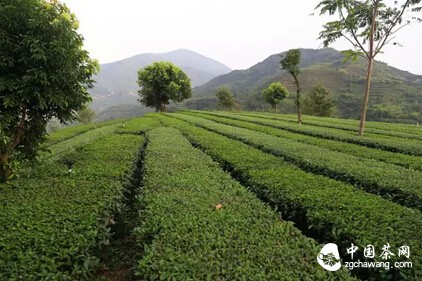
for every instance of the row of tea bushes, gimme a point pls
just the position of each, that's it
(411, 147)
(407, 161)
(138, 125)
(328, 210)
(415, 133)
(73, 131)
(71, 144)
(200, 224)
(410, 129)
(393, 182)
(53, 222)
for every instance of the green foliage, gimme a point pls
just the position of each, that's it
(323, 208)
(290, 62)
(374, 128)
(392, 129)
(395, 183)
(162, 82)
(196, 222)
(392, 144)
(79, 140)
(319, 102)
(85, 115)
(137, 126)
(225, 98)
(53, 222)
(347, 83)
(44, 73)
(122, 111)
(73, 131)
(355, 20)
(406, 161)
(365, 23)
(275, 93)
(120, 77)
(190, 238)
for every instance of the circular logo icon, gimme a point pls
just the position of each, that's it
(329, 257)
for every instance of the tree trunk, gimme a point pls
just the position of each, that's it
(5, 171)
(369, 71)
(160, 108)
(299, 110)
(298, 103)
(366, 99)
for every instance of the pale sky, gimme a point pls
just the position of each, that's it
(238, 33)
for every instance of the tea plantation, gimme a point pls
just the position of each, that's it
(198, 195)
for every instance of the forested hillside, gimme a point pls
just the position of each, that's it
(395, 94)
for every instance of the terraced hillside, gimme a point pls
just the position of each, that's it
(395, 94)
(198, 195)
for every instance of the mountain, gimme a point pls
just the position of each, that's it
(394, 93)
(116, 82)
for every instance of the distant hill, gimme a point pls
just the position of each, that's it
(122, 111)
(116, 82)
(395, 93)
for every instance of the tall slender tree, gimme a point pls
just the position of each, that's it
(366, 22)
(290, 62)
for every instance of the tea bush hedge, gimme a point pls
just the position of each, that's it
(52, 224)
(392, 130)
(411, 129)
(407, 161)
(396, 183)
(323, 208)
(202, 225)
(73, 131)
(411, 147)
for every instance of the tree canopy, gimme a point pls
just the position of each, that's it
(162, 82)
(290, 63)
(44, 73)
(274, 94)
(319, 102)
(225, 98)
(85, 115)
(368, 26)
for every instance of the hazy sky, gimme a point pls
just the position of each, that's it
(238, 33)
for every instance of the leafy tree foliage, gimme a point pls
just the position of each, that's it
(44, 73)
(225, 98)
(274, 94)
(85, 115)
(162, 82)
(290, 62)
(360, 22)
(319, 102)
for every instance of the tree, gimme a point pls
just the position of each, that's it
(85, 115)
(274, 94)
(44, 73)
(361, 22)
(319, 102)
(162, 82)
(225, 98)
(290, 62)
